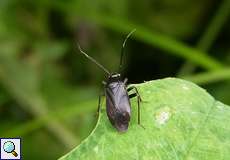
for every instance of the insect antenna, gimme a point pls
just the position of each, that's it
(123, 48)
(92, 59)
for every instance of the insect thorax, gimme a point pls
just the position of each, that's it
(115, 77)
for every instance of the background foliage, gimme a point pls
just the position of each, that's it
(48, 92)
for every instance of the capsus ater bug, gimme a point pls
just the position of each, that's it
(118, 106)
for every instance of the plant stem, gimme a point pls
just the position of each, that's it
(66, 112)
(165, 43)
(209, 77)
(209, 35)
(32, 101)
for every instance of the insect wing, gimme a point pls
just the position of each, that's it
(118, 105)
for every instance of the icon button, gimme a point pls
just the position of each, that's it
(10, 148)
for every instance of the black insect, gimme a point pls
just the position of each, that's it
(116, 92)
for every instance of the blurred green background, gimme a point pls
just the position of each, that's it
(48, 91)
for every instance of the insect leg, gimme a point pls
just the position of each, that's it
(125, 81)
(99, 104)
(99, 100)
(136, 94)
(132, 95)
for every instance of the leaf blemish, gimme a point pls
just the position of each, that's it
(220, 107)
(96, 149)
(163, 116)
(185, 87)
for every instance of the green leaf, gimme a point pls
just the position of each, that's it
(181, 120)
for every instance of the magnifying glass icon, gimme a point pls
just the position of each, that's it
(9, 147)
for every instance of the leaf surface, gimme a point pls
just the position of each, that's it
(181, 120)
